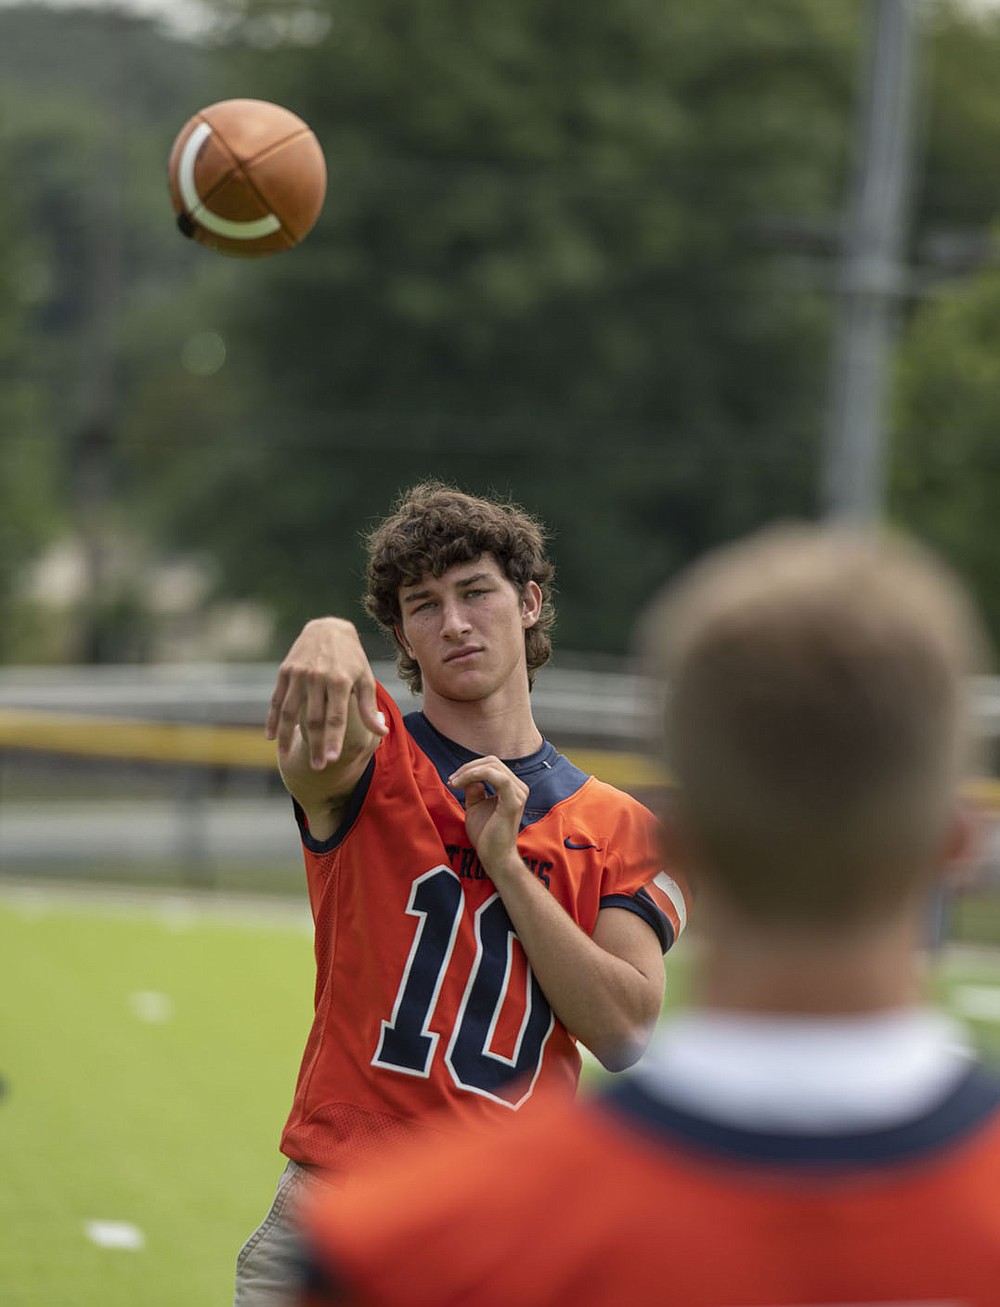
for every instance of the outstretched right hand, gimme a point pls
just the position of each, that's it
(323, 670)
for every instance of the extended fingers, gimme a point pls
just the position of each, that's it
(325, 666)
(286, 704)
(277, 700)
(326, 717)
(368, 705)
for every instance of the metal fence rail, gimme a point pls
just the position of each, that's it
(117, 766)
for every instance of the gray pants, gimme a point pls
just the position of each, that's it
(268, 1263)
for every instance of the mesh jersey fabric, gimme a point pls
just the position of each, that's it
(424, 1003)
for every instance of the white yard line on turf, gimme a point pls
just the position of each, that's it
(121, 1235)
(178, 908)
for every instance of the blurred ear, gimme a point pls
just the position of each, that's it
(678, 843)
(967, 843)
(398, 631)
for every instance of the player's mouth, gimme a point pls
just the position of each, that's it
(463, 655)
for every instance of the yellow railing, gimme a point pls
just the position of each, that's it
(140, 741)
(76, 735)
(242, 746)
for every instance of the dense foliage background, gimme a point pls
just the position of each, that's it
(577, 253)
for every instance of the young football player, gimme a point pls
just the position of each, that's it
(481, 905)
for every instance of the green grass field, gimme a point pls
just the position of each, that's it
(149, 1054)
(149, 1050)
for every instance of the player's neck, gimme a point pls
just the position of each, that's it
(502, 725)
(811, 975)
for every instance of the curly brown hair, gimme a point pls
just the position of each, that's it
(434, 526)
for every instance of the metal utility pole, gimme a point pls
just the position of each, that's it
(93, 442)
(872, 277)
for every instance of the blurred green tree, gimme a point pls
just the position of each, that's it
(945, 483)
(27, 464)
(547, 267)
(946, 466)
(89, 102)
(536, 273)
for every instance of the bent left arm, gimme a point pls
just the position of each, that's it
(606, 988)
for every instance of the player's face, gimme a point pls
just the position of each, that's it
(466, 629)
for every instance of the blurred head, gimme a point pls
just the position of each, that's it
(816, 723)
(432, 528)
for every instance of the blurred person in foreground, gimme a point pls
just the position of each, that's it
(809, 1131)
(480, 903)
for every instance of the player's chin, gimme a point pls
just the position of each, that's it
(465, 684)
(465, 693)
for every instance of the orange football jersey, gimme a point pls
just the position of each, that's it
(631, 1200)
(424, 1000)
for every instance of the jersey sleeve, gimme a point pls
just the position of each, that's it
(636, 880)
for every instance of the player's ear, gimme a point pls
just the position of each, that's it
(531, 604)
(404, 643)
(966, 842)
(677, 843)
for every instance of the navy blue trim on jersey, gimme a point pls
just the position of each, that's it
(969, 1105)
(641, 903)
(549, 775)
(351, 813)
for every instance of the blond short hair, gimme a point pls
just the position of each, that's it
(817, 722)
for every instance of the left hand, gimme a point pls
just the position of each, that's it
(491, 820)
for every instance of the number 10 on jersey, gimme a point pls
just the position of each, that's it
(408, 1046)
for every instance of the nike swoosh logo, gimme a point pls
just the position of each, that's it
(570, 845)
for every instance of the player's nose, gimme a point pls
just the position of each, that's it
(454, 620)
